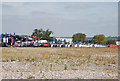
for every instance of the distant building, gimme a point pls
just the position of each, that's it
(67, 39)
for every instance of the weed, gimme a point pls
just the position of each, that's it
(26, 71)
(109, 72)
(93, 70)
(109, 65)
(50, 66)
(31, 77)
(33, 59)
(74, 69)
(113, 62)
(21, 74)
(65, 68)
(13, 60)
(27, 59)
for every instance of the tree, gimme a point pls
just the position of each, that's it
(100, 39)
(78, 37)
(111, 41)
(43, 34)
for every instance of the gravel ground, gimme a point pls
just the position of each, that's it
(17, 70)
(59, 63)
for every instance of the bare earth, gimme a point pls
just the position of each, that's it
(59, 63)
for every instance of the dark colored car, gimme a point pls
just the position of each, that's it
(35, 44)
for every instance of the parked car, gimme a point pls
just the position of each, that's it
(113, 45)
(45, 44)
(69, 45)
(98, 45)
(31, 44)
(52, 45)
(55, 45)
(36, 44)
(3, 45)
(40, 44)
(24, 44)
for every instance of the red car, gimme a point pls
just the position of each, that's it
(113, 45)
(45, 44)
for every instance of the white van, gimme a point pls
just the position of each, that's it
(42, 41)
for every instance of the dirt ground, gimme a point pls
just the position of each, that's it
(59, 63)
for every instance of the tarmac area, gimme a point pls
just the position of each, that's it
(59, 63)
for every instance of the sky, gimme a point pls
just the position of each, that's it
(63, 18)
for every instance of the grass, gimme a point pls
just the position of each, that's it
(57, 58)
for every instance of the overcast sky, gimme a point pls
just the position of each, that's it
(64, 19)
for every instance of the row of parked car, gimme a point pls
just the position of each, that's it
(31, 44)
(35, 44)
(46, 44)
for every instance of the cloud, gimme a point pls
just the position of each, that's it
(38, 13)
(13, 4)
(91, 18)
(80, 6)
